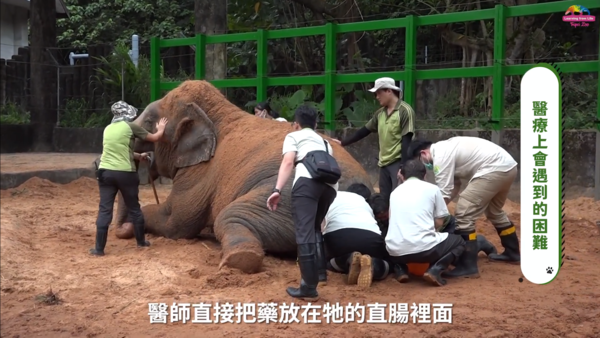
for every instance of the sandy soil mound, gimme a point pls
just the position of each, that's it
(51, 287)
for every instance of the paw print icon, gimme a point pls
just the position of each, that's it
(549, 270)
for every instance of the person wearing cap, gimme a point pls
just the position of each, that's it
(117, 172)
(395, 124)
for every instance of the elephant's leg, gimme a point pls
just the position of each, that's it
(246, 228)
(179, 217)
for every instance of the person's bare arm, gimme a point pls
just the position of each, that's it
(439, 223)
(160, 129)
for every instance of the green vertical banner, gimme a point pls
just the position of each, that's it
(541, 174)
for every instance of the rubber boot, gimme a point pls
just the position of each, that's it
(434, 273)
(371, 269)
(485, 246)
(466, 264)
(101, 237)
(401, 273)
(510, 242)
(321, 259)
(140, 236)
(307, 259)
(354, 267)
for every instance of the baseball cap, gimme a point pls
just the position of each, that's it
(385, 83)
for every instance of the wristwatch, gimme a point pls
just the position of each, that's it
(277, 190)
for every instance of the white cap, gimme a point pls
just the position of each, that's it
(385, 83)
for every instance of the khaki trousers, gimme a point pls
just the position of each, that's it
(487, 194)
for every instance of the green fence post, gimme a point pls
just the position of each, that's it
(200, 56)
(154, 69)
(498, 77)
(261, 65)
(597, 175)
(330, 73)
(410, 61)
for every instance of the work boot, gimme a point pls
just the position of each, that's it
(401, 273)
(466, 264)
(321, 259)
(485, 246)
(434, 273)
(307, 259)
(354, 267)
(510, 242)
(140, 236)
(101, 237)
(371, 269)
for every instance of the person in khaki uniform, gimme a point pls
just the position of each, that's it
(491, 171)
(395, 124)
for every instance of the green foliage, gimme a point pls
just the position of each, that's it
(110, 21)
(119, 76)
(10, 113)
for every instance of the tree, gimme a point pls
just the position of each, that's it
(43, 72)
(211, 19)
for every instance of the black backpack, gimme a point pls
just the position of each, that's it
(322, 166)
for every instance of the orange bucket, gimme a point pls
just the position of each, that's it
(417, 269)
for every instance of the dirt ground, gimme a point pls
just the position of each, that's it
(47, 230)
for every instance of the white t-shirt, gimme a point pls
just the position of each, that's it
(414, 206)
(350, 210)
(302, 142)
(281, 119)
(467, 158)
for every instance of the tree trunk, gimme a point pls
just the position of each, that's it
(211, 19)
(43, 73)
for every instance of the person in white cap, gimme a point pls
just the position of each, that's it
(117, 172)
(395, 124)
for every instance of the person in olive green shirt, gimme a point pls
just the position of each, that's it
(117, 172)
(395, 124)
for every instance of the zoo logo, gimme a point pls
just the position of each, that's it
(578, 16)
(436, 169)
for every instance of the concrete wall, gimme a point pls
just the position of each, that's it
(13, 29)
(579, 154)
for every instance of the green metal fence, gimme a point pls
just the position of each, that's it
(409, 75)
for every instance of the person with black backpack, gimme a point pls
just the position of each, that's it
(314, 189)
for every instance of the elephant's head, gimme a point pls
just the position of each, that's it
(190, 137)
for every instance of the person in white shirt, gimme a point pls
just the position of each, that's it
(490, 171)
(417, 208)
(310, 198)
(353, 241)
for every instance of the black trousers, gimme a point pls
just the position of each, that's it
(388, 178)
(345, 241)
(310, 202)
(110, 182)
(432, 255)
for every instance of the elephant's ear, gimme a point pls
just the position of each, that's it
(195, 137)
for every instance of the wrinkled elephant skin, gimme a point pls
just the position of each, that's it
(224, 164)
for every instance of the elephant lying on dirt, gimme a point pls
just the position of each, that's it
(224, 164)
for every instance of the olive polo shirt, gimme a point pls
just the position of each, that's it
(391, 128)
(117, 146)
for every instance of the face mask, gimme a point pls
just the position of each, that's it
(429, 166)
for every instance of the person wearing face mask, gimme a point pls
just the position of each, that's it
(264, 110)
(117, 172)
(394, 122)
(490, 171)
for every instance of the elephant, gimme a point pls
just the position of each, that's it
(224, 165)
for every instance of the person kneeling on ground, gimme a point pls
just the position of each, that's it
(117, 172)
(417, 208)
(381, 210)
(353, 241)
(483, 244)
